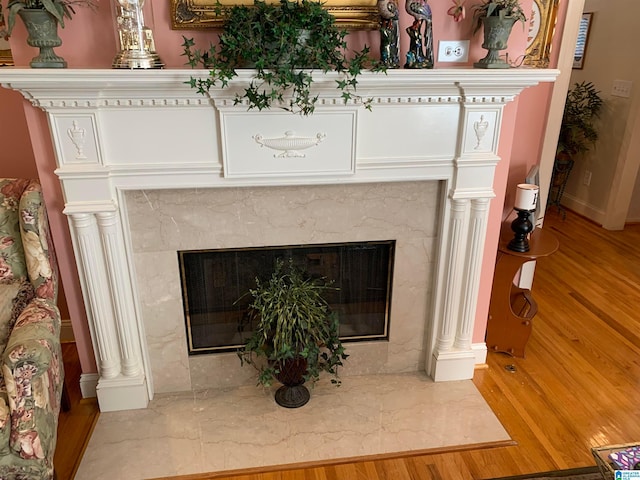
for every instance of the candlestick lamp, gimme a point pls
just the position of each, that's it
(526, 202)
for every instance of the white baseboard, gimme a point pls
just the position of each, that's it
(582, 208)
(89, 385)
(480, 351)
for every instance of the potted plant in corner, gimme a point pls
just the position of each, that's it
(497, 17)
(295, 334)
(282, 42)
(578, 134)
(41, 18)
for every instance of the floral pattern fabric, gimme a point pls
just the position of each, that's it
(31, 373)
(12, 261)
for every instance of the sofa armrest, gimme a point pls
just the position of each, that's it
(33, 374)
(39, 253)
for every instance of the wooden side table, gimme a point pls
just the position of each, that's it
(512, 308)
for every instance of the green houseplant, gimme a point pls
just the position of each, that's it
(578, 131)
(497, 17)
(295, 334)
(282, 42)
(578, 134)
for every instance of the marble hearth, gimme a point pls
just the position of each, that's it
(127, 141)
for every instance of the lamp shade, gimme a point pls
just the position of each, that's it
(526, 197)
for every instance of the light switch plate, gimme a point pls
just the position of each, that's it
(622, 88)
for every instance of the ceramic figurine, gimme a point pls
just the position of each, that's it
(420, 54)
(389, 33)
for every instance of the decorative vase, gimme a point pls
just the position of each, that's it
(496, 35)
(292, 393)
(42, 28)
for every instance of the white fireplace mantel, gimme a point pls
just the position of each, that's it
(119, 130)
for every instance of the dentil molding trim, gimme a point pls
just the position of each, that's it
(70, 88)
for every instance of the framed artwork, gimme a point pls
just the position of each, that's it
(197, 14)
(542, 24)
(583, 39)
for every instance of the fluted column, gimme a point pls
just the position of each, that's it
(92, 267)
(120, 288)
(102, 264)
(477, 233)
(453, 276)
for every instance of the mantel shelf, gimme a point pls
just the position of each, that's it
(44, 86)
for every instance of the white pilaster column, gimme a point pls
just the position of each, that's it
(122, 384)
(121, 296)
(92, 268)
(477, 233)
(453, 276)
(453, 356)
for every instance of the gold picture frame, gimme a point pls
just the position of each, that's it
(201, 14)
(542, 24)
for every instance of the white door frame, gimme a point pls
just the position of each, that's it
(558, 97)
(628, 165)
(554, 118)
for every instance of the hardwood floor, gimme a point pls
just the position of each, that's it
(75, 425)
(577, 388)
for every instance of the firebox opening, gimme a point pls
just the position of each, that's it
(214, 282)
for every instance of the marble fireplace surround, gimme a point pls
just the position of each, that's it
(165, 221)
(116, 131)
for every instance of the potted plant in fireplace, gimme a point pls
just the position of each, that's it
(295, 333)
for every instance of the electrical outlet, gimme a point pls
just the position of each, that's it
(587, 178)
(453, 51)
(622, 88)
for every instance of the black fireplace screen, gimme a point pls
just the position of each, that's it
(214, 282)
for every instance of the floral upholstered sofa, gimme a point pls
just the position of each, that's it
(32, 374)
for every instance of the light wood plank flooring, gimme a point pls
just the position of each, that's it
(578, 387)
(75, 425)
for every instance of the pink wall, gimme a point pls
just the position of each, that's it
(16, 155)
(526, 147)
(89, 42)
